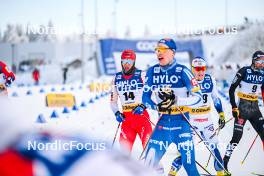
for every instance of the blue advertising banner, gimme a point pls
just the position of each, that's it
(109, 46)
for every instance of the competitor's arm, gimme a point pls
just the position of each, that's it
(217, 101)
(195, 98)
(5, 70)
(147, 92)
(114, 97)
(235, 83)
(141, 85)
(3, 67)
(218, 105)
(9, 75)
(262, 92)
(143, 76)
(114, 103)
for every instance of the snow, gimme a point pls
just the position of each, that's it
(97, 120)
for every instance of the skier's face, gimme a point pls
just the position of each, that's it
(259, 63)
(127, 64)
(199, 72)
(164, 54)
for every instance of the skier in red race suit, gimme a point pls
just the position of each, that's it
(6, 78)
(127, 85)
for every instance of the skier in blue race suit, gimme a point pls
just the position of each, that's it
(176, 90)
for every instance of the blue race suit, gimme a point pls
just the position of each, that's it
(172, 127)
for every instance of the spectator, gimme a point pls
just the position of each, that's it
(65, 70)
(36, 76)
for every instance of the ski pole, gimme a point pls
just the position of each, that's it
(253, 173)
(208, 160)
(210, 153)
(242, 162)
(225, 122)
(203, 168)
(201, 138)
(155, 126)
(217, 129)
(149, 120)
(115, 135)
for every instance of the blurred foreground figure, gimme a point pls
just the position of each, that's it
(6, 78)
(24, 152)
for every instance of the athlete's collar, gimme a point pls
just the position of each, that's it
(129, 76)
(257, 70)
(167, 67)
(200, 81)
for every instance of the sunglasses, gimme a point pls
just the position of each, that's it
(261, 61)
(202, 68)
(127, 61)
(161, 49)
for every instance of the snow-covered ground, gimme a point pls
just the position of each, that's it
(97, 120)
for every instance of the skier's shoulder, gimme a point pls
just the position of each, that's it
(246, 69)
(117, 76)
(154, 66)
(118, 73)
(154, 69)
(208, 77)
(181, 67)
(138, 72)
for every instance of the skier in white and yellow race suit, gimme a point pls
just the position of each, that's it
(200, 117)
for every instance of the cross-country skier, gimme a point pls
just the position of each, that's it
(251, 83)
(128, 87)
(200, 117)
(6, 78)
(175, 89)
